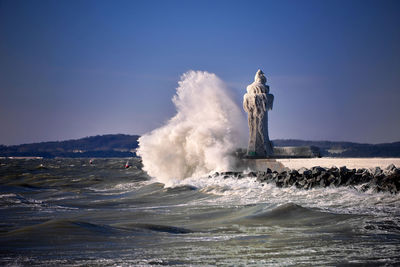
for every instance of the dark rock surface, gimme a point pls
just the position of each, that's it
(377, 180)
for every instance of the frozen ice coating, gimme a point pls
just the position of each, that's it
(256, 102)
(201, 137)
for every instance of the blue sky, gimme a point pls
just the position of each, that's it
(70, 69)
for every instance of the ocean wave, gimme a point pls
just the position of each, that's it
(201, 137)
(342, 200)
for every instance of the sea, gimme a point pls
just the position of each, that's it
(72, 212)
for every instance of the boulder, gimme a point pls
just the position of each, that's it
(391, 167)
(302, 170)
(307, 173)
(252, 174)
(377, 171)
(317, 170)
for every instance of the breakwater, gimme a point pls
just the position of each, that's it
(376, 179)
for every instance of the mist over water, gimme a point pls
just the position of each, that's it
(200, 138)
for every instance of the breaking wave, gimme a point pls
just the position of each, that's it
(201, 137)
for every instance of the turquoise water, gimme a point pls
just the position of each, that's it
(70, 212)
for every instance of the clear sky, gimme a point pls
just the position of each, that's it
(70, 69)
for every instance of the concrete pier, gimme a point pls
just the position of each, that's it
(254, 164)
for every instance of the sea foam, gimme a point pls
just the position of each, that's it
(201, 137)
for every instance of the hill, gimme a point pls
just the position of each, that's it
(122, 145)
(111, 145)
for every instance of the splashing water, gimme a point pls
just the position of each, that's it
(201, 137)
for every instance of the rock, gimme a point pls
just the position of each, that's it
(394, 190)
(286, 181)
(279, 183)
(307, 173)
(265, 177)
(311, 182)
(317, 170)
(261, 174)
(302, 170)
(339, 181)
(357, 177)
(366, 177)
(362, 170)
(326, 175)
(331, 179)
(343, 171)
(377, 171)
(251, 174)
(391, 167)
(365, 187)
(334, 171)
(233, 174)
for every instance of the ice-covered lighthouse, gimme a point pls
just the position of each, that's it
(256, 102)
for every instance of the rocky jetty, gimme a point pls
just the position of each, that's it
(377, 180)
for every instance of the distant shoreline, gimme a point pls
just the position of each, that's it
(21, 157)
(123, 145)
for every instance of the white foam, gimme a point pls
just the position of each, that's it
(333, 199)
(207, 128)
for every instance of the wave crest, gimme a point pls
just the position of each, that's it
(201, 137)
